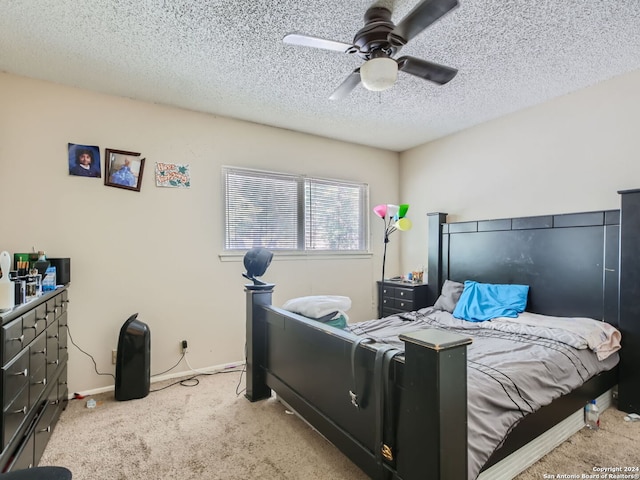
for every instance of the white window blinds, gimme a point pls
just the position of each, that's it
(335, 215)
(292, 212)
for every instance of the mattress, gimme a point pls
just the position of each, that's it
(514, 368)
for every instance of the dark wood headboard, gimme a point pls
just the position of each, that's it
(569, 261)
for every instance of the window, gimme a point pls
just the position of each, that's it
(293, 212)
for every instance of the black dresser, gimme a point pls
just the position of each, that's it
(397, 297)
(34, 377)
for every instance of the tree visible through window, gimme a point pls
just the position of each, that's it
(293, 212)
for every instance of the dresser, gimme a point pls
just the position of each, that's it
(398, 297)
(34, 377)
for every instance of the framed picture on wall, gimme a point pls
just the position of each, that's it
(84, 160)
(123, 169)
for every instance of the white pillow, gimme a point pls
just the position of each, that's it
(317, 306)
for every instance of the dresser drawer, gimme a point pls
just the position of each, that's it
(14, 415)
(63, 390)
(15, 376)
(13, 340)
(23, 457)
(38, 353)
(53, 310)
(44, 427)
(61, 301)
(30, 327)
(52, 344)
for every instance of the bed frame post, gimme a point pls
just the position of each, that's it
(256, 339)
(434, 272)
(433, 442)
(629, 319)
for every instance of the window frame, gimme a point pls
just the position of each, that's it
(300, 250)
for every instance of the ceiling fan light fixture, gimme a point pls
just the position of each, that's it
(379, 73)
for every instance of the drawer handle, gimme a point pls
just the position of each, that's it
(43, 381)
(44, 351)
(41, 318)
(23, 411)
(55, 335)
(55, 362)
(34, 326)
(47, 430)
(23, 373)
(54, 402)
(402, 304)
(18, 339)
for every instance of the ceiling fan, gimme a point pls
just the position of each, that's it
(378, 41)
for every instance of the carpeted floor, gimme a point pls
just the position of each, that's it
(207, 432)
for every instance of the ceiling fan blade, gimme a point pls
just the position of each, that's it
(347, 86)
(315, 42)
(423, 15)
(428, 70)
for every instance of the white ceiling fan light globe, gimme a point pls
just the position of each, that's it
(379, 73)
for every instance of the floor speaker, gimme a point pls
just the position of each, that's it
(133, 362)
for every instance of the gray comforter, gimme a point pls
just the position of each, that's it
(512, 370)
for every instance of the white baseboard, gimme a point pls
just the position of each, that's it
(168, 376)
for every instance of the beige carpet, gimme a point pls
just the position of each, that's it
(207, 432)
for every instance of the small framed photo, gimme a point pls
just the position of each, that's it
(84, 160)
(123, 169)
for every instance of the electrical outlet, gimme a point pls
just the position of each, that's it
(183, 346)
(114, 356)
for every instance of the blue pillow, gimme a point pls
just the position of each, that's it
(484, 301)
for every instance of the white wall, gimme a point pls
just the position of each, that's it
(571, 154)
(157, 252)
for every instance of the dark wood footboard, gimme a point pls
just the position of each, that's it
(309, 365)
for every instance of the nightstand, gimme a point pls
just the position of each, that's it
(400, 297)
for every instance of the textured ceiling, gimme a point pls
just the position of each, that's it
(226, 57)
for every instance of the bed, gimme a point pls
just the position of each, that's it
(410, 418)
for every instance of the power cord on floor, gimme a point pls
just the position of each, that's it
(244, 369)
(95, 365)
(167, 371)
(193, 381)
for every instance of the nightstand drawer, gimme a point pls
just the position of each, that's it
(404, 293)
(404, 305)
